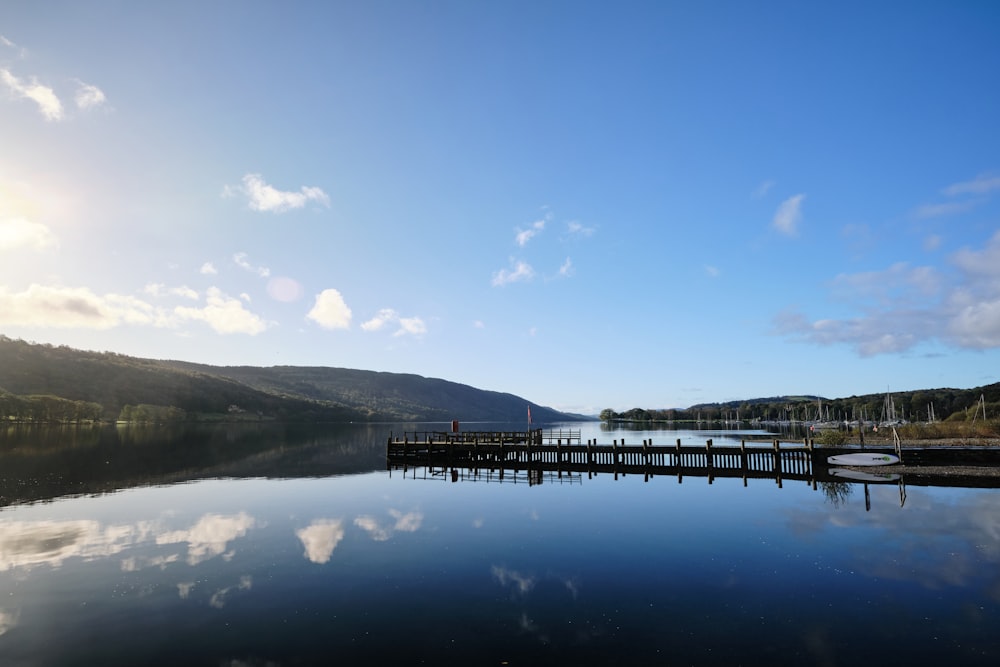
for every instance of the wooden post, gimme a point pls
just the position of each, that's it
(777, 462)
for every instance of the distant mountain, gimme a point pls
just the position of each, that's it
(45, 379)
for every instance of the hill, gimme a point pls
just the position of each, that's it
(919, 405)
(50, 383)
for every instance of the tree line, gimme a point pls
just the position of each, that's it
(923, 405)
(47, 408)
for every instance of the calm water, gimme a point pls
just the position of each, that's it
(274, 546)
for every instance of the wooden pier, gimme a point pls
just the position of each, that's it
(562, 451)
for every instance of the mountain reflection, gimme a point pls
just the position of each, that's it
(46, 462)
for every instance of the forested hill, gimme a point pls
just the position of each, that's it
(48, 383)
(920, 405)
(403, 396)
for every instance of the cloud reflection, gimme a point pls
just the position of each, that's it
(320, 538)
(409, 522)
(31, 543)
(521, 583)
(184, 589)
(933, 541)
(8, 620)
(219, 598)
(26, 544)
(210, 536)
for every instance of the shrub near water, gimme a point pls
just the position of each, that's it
(951, 429)
(832, 438)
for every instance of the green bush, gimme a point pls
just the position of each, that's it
(832, 437)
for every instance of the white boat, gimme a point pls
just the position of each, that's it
(863, 459)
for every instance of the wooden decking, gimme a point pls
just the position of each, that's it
(563, 452)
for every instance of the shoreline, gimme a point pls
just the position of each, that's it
(924, 442)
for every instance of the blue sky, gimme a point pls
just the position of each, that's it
(589, 204)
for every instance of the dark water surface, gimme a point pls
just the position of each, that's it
(294, 546)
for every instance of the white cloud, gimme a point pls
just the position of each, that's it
(519, 271)
(984, 263)
(46, 99)
(88, 96)
(413, 326)
(407, 325)
(78, 307)
(240, 259)
(789, 215)
(566, 269)
(901, 307)
(320, 538)
(74, 307)
(383, 317)
(761, 191)
(224, 314)
(21, 52)
(577, 229)
(948, 208)
(330, 311)
(264, 197)
(525, 235)
(982, 184)
(977, 325)
(208, 269)
(900, 285)
(161, 290)
(20, 233)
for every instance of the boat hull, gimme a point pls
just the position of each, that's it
(863, 459)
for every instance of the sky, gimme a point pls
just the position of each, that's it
(587, 204)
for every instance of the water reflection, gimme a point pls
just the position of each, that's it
(320, 538)
(373, 568)
(26, 544)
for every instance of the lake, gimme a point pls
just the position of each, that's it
(293, 545)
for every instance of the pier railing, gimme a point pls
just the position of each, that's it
(564, 453)
(536, 436)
